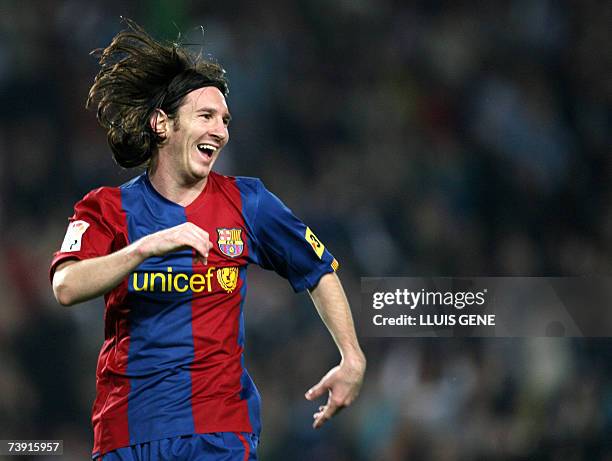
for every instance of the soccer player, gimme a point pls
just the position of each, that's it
(169, 252)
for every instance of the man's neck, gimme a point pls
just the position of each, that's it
(173, 187)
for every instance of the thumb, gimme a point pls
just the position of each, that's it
(317, 390)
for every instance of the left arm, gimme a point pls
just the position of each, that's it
(284, 243)
(343, 382)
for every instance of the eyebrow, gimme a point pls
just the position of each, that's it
(227, 117)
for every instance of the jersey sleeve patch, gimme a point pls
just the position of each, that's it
(314, 242)
(74, 236)
(335, 265)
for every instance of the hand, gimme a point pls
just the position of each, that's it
(342, 384)
(186, 235)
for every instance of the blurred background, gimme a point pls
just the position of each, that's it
(415, 138)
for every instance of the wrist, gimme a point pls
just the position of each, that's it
(354, 359)
(141, 249)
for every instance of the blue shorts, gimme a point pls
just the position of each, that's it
(217, 446)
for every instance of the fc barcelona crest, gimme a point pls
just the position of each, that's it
(230, 242)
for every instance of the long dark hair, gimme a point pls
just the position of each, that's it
(139, 75)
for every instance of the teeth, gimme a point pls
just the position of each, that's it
(207, 147)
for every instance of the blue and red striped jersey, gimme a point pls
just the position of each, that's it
(172, 361)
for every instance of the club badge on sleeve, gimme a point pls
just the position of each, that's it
(74, 235)
(316, 244)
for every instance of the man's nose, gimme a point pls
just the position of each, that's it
(219, 131)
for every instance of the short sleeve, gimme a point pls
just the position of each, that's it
(90, 233)
(286, 245)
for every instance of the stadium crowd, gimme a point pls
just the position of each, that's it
(415, 138)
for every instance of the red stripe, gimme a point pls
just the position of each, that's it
(216, 370)
(110, 411)
(247, 448)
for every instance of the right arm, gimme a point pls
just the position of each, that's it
(78, 281)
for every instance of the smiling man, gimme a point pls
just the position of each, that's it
(169, 251)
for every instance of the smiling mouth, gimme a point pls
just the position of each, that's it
(206, 149)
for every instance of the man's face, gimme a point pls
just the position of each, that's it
(197, 136)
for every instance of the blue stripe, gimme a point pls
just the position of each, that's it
(243, 292)
(249, 198)
(248, 195)
(161, 340)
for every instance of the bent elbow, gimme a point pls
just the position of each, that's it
(62, 291)
(62, 295)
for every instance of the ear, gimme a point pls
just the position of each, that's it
(160, 123)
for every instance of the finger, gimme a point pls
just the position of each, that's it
(318, 422)
(201, 250)
(330, 411)
(323, 416)
(200, 254)
(202, 244)
(199, 258)
(195, 231)
(321, 411)
(316, 391)
(326, 412)
(201, 234)
(195, 254)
